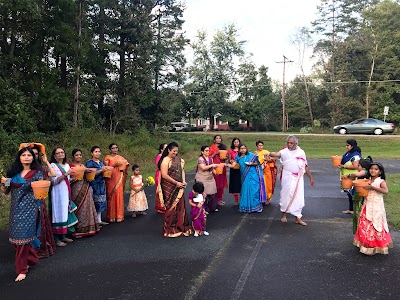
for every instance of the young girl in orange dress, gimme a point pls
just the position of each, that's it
(137, 199)
(372, 235)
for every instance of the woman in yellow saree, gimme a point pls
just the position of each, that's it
(115, 185)
(269, 169)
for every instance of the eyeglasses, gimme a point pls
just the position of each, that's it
(58, 153)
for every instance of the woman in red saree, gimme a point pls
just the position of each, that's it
(159, 206)
(115, 185)
(220, 179)
(172, 192)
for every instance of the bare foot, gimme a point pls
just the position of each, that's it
(300, 222)
(221, 203)
(283, 219)
(143, 213)
(20, 277)
(60, 244)
(134, 215)
(67, 240)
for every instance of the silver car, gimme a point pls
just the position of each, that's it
(365, 126)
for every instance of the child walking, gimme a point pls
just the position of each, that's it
(137, 200)
(197, 212)
(372, 235)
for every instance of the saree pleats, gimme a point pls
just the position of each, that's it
(115, 191)
(86, 212)
(175, 218)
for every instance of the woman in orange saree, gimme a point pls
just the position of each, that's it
(115, 185)
(172, 192)
(269, 169)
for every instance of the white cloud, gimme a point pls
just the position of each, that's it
(265, 25)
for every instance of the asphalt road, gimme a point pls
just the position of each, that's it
(246, 256)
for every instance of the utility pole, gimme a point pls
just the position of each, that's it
(284, 116)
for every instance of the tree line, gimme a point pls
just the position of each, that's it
(118, 64)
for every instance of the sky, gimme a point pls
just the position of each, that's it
(266, 25)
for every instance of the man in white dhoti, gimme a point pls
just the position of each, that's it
(294, 166)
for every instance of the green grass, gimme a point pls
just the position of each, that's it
(391, 200)
(4, 210)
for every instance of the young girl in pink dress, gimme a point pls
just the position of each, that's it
(197, 212)
(372, 235)
(137, 199)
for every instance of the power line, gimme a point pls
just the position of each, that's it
(302, 82)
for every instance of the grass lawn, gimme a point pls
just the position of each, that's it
(391, 200)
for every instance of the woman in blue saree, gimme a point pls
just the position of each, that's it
(252, 194)
(24, 210)
(348, 165)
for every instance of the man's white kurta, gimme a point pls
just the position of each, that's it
(293, 170)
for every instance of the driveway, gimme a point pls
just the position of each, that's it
(246, 256)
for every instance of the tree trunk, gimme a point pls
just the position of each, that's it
(77, 70)
(63, 71)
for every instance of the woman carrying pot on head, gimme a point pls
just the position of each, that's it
(23, 210)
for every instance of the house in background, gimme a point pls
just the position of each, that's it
(218, 124)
